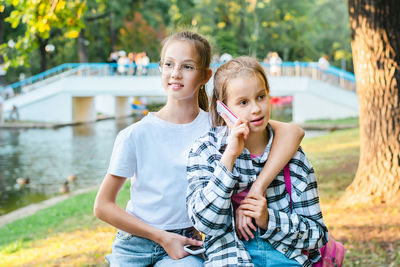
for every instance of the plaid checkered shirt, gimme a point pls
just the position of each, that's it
(211, 186)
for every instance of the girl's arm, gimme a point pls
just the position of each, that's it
(210, 187)
(287, 138)
(106, 209)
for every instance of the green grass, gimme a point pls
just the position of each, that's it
(350, 120)
(334, 157)
(73, 213)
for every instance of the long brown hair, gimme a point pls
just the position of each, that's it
(203, 50)
(233, 68)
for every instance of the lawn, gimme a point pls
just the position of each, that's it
(67, 234)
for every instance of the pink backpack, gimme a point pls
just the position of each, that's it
(332, 253)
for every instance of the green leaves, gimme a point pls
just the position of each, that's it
(41, 19)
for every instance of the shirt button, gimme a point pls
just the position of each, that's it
(278, 229)
(284, 250)
(299, 235)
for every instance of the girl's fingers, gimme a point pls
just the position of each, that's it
(227, 121)
(246, 226)
(240, 230)
(243, 230)
(194, 242)
(250, 213)
(252, 201)
(250, 224)
(253, 208)
(237, 229)
(237, 225)
(242, 129)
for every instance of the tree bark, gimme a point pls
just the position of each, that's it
(375, 26)
(1, 33)
(82, 48)
(113, 36)
(42, 51)
(242, 29)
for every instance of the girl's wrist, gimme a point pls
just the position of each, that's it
(257, 189)
(232, 153)
(158, 236)
(228, 160)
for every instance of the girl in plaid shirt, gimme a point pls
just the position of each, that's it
(155, 226)
(224, 164)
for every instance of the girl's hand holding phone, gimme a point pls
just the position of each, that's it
(174, 244)
(239, 130)
(237, 136)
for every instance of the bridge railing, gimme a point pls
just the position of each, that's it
(332, 75)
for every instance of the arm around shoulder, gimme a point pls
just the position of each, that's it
(287, 139)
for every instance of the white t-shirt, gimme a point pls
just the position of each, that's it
(155, 153)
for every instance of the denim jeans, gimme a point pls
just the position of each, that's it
(130, 250)
(264, 254)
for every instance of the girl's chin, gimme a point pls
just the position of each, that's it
(259, 128)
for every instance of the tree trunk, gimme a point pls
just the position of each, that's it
(42, 51)
(1, 33)
(375, 26)
(113, 36)
(82, 48)
(242, 29)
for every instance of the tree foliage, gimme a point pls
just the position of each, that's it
(297, 30)
(40, 20)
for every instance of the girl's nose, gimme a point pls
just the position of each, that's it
(255, 108)
(176, 72)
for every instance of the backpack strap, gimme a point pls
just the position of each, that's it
(288, 184)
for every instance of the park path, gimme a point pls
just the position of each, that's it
(33, 208)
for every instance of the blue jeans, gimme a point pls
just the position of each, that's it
(130, 250)
(264, 254)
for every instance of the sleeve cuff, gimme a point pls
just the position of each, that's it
(278, 225)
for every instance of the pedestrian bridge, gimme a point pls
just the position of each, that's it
(73, 93)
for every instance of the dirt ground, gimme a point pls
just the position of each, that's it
(371, 235)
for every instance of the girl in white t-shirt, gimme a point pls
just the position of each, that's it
(154, 151)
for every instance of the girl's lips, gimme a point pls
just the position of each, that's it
(175, 85)
(258, 121)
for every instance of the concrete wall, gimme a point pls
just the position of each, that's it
(47, 104)
(83, 109)
(314, 99)
(122, 106)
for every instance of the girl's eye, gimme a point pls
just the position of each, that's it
(168, 64)
(261, 97)
(188, 67)
(243, 102)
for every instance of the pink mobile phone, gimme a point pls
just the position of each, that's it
(223, 109)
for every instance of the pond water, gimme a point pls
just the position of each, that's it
(47, 156)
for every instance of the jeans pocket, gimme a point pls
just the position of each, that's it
(122, 235)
